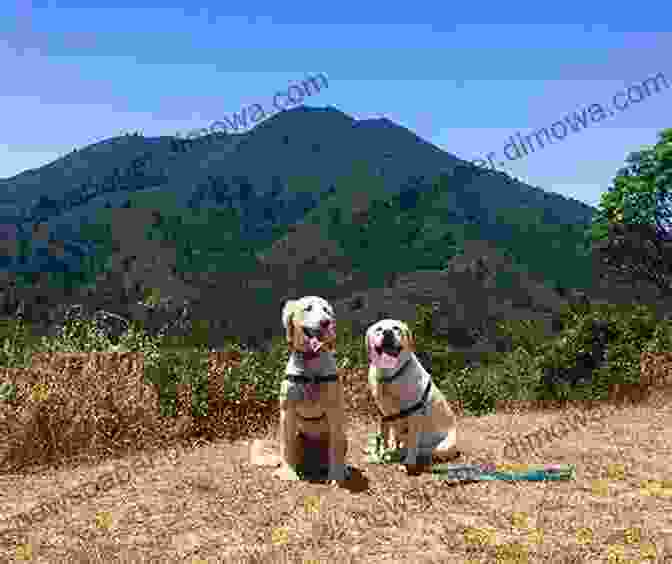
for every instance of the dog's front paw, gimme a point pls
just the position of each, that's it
(340, 473)
(417, 464)
(286, 473)
(414, 469)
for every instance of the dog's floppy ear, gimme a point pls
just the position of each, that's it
(287, 311)
(288, 321)
(408, 341)
(295, 338)
(367, 342)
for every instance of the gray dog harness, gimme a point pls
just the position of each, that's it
(299, 375)
(314, 379)
(413, 408)
(409, 410)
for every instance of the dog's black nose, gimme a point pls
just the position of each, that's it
(388, 335)
(325, 323)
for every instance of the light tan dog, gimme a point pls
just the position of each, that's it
(416, 416)
(312, 403)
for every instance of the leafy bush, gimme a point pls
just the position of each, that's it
(627, 331)
(17, 344)
(476, 389)
(78, 332)
(517, 374)
(661, 340)
(180, 367)
(523, 333)
(350, 348)
(7, 391)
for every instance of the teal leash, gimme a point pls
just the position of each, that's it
(474, 472)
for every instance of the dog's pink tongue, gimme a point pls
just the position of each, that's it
(314, 344)
(385, 360)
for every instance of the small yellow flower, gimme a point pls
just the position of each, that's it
(616, 554)
(512, 553)
(39, 392)
(24, 552)
(633, 535)
(104, 520)
(584, 535)
(600, 487)
(648, 551)
(479, 536)
(536, 536)
(650, 487)
(519, 520)
(471, 535)
(280, 536)
(665, 488)
(616, 471)
(311, 504)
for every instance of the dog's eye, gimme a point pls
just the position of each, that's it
(308, 308)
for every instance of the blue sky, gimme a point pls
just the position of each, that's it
(75, 75)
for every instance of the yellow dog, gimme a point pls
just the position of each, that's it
(415, 413)
(312, 403)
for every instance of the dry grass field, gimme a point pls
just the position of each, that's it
(136, 487)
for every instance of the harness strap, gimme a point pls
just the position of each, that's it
(409, 410)
(312, 418)
(312, 380)
(397, 374)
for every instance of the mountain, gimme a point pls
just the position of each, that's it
(309, 201)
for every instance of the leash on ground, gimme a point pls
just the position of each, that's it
(378, 454)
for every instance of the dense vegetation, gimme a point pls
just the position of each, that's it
(514, 375)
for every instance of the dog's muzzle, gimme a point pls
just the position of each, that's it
(316, 337)
(389, 346)
(387, 351)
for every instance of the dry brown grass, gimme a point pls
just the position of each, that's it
(206, 503)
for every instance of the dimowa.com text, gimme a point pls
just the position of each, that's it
(520, 147)
(575, 420)
(293, 96)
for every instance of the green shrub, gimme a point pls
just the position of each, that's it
(630, 329)
(7, 391)
(517, 373)
(423, 327)
(77, 333)
(174, 367)
(661, 340)
(475, 389)
(523, 333)
(622, 366)
(350, 348)
(17, 344)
